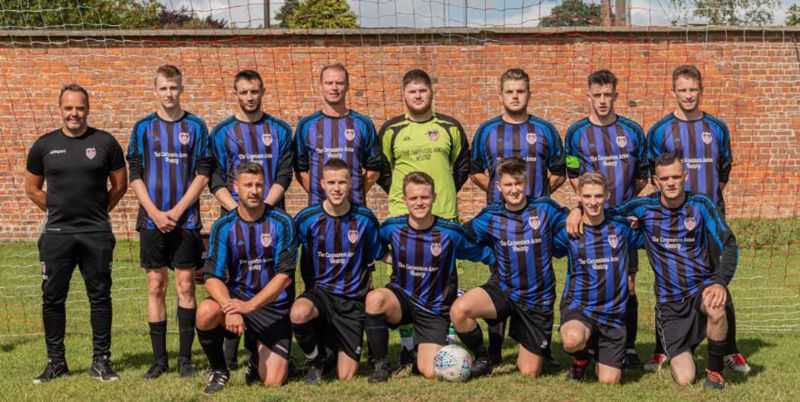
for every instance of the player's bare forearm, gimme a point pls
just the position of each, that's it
(33, 189)
(217, 290)
(638, 186)
(305, 181)
(481, 180)
(573, 182)
(371, 178)
(191, 195)
(119, 185)
(275, 194)
(555, 182)
(225, 199)
(271, 292)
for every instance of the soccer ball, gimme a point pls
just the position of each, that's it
(452, 363)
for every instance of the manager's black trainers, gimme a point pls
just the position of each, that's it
(155, 371)
(217, 381)
(714, 380)
(101, 370)
(53, 370)
(481, 367)
(381, 373)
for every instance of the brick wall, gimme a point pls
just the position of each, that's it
(752, 80)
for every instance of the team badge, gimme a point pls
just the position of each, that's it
(436, 249)
(91, 153)
(184, 138)
(433, 135)
(266, 138)
(690, 223)
(613, 241)
(266, 239)
(706, 137)
(352, 235)
(534, 222)
(531, 138)
(622, 141)
(350, 134)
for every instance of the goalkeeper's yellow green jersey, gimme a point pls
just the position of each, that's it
(437, 147)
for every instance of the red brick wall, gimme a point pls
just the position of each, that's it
(752, 81)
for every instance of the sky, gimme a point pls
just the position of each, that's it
(440, 13)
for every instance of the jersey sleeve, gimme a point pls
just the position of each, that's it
(654, 148)
(286, 158)
(203, 161)
(478, 229)
(287, 250)
(558, 229)
(469, 250)
(477, 162)
(385, 136)
(556, 162)
(371, 150)
(217, 256)
(35, 162)
(725, 155)
(572, 159)
(721, 244)
(459, 156)
(374, 244)
(218, 177)
(116, 158)
(136, 154)
(642, 165)
(301, 163)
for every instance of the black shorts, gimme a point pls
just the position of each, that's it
(342, 320)
(180, 248)
(608, 342)
(529, 327)
(428, 327)
(633, 262)
(682, 324)
(271, 327)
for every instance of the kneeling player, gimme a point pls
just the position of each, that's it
(522, 286)
(249, 274)
(424, 279)
(596, 291)
(340, 244)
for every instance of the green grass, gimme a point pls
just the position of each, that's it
(766, 291)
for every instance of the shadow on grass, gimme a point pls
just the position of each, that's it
(13, 343)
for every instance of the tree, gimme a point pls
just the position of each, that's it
(736, 12)
(285, 11)
(793, 16)
(309, 14)
(573, 13)
(185, 18)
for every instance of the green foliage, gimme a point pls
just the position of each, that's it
(98, 14)
(793, 15)
(285, 11)
(736, 12)
(309, 14)
(573, 13)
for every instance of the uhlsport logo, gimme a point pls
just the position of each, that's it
(433, 135)
(613, 241)
(266, 239)
(689, 223)
(622, 141)
(436, 249)
(531, 138)
(352, 235)
(707, 137)
(350, 134)
(534, 222)
(91, 153)
(184, 138)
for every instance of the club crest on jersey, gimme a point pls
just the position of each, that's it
(706, 137)
(184, 138)
(531, 138)
(613, 241)
(266, 239)
(689, 223)
(266, 138)
(352, 235)
(433, 135)
(436, 249)
(622, 141)
(350, 134)
(91, 153)
(534, 222)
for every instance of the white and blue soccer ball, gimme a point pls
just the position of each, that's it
(452, 363)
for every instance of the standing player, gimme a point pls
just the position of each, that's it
(516, 133)
(422, 141)
(250, 135)
(336, 132)
(521, 232)
(340, 240)
(424, 279)
(169, 167)
(704, 144)
(595, 296)
(249, 274)
(77, 162)
(693, 254)
(614, 146)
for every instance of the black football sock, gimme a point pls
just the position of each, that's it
(631, 321)
(211, 341)
(582, 355)
(659, 350)
(231, 347)
(186, 323)
(730, 339)
(716, 353)
(497, 334)
(377, 335)
(306, 338)
(473, 340)
(158, 339)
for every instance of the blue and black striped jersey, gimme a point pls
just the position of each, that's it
(536, 141)
(689, 247)
(267, 142)
(617, 151)
(424, 261)
(597, 273)
(351, 138)
(524, 245)
(339, 251)
(705, 147)
(166, 156)
(247, 255)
